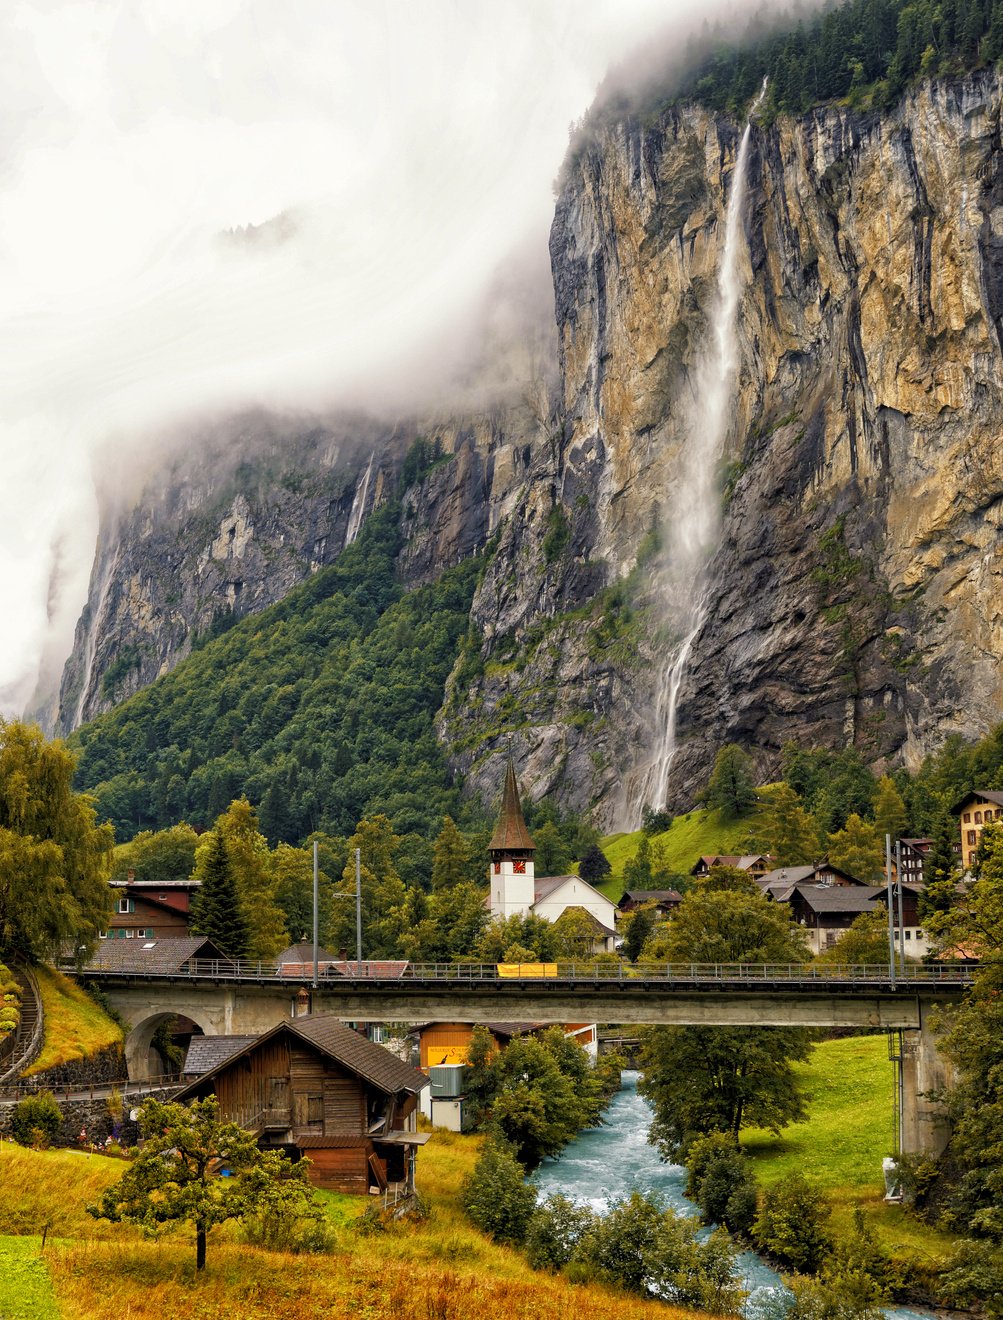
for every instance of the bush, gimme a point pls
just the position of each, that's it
(792, 1224)
(278, 1229)
(699, 1154)
(974, 1276)
(496, 1195)
(556, 1228)
(728, 1192)
(36, 1119)
(840, 1294)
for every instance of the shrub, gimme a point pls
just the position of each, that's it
(839, 1294)
(496, 1195)
(792, 1224)
(974, 1276)
(699, 1154)
(728, 1192)
(36, 1119)
(280, 1229)
(556, 1228)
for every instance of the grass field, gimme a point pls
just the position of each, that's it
(443, 1269)
(850, 1130)
(688, 837)
(74, 1025)
(25, 1288)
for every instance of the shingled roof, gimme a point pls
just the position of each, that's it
(153, 956)
(207, 1052)
(330, 1036)
(510, 833)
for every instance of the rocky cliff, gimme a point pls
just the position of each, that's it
(854, 593)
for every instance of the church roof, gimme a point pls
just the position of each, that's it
(511, 834)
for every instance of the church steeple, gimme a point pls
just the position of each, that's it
(512, 874)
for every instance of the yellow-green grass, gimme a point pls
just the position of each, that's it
(442, 1268)
(25, 1289)
(849, 1131)
(74, 1025)
(687, 838)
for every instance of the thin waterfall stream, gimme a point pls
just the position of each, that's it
(693, 516)
(604, 1163)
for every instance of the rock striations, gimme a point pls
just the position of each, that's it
(856, 590)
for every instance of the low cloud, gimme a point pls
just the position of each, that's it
(207, 207)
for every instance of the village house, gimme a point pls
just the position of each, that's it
(517, 891)
(826, 911)
(757, 864)
(150, 909)
(314, 1088)
(664, 901)
(975, 811)
(819, 873)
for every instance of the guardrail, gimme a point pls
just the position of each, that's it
(726, 975)
(91, 1091)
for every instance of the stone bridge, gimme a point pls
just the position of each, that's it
(225, 998)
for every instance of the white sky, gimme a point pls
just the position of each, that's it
(413, 143)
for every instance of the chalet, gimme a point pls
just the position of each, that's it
(757, 864)
(516, 890)
(914, 854)
(150, 909)
(315, 1088)
(665, 901)
(820, 873)
(976, 810)
(826, 912)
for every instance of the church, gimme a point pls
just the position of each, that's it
(516, 890)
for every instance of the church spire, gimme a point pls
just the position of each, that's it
(510, 833)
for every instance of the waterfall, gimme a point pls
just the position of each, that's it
(359, 503)
(694, 509)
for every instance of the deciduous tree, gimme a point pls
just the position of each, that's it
(858, 850)
(732, 786)
(174, 1177)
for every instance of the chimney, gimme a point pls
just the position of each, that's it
(130, 875)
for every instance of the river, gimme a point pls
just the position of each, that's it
(616, 1159)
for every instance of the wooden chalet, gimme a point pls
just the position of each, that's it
(664, 901)
(757, 864)
(150, 909)
(317, 1089)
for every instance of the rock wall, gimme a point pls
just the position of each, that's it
(854, 594)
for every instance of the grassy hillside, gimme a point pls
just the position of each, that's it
(442, 1269)
(848, 1133)
(687, 838)
(74, 1025)
(319, 708)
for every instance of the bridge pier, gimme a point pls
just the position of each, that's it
(924, 1070)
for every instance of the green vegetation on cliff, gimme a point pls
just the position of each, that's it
(866, 50)
(320, 709)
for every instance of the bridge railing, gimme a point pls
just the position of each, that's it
(578, 973)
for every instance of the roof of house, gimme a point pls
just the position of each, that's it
(839, 898)
(208, 1052)
(795, 875)
(169, 954)
(716, 859)
(651, 896)
(510, 832)
(380, 968)
(330, 1036)
(985, 793)
(549, 884)
(303, 953)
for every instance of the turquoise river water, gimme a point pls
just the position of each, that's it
(616, 1159)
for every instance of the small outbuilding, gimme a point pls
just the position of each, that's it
(313, 1087)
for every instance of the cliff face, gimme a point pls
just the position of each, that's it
(855, 590)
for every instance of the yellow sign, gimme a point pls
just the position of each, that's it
(440, 1054)
(527, 969)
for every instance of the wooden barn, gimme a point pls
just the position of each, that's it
(314, 1087)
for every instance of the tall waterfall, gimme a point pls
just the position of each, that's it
(693, 517)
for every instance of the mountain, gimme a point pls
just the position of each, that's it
(853, 597)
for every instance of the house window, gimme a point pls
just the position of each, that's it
(127, 905)
(130, 934)
(315, 1109)
(978, 818)
(967, 817)
(908, 934)
(102, 934)
(971, 836)
(919, 934)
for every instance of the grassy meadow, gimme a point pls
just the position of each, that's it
(687, 838)
(849, 1131)
(442, 1269)
(74, 1024)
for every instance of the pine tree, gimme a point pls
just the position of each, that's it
(217, 912)
(594, 864)
(889, 810)
(787, 831)
(857, 850)
(732, 786)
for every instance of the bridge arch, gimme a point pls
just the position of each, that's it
(142, 1060)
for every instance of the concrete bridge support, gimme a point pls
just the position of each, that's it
(925, 1073)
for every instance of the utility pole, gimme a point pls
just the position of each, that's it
(316, 914)
(358, 911)
(891, 909)
(898, 881)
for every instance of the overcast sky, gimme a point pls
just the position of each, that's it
(406, 147)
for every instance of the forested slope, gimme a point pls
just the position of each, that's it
(320, 708)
